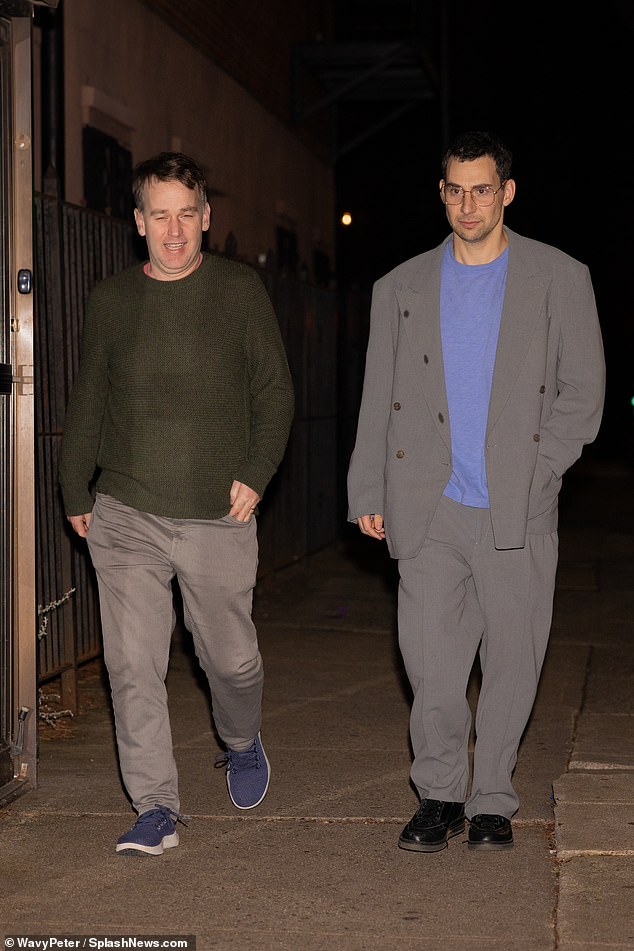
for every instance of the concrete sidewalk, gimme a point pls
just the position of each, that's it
(316, 866)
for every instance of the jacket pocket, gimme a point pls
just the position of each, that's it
(544, 488)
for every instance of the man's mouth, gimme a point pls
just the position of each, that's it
(175, 245)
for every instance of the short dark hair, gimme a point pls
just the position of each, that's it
(473, 145)
(168, 167)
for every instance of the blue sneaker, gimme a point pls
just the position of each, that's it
(248, 775)
(152, 833)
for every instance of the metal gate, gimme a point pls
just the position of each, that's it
(75, 248)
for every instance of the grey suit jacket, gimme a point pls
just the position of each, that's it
(546, 398)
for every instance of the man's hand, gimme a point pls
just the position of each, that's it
(243, 501)
(81, 523)
(372, 525)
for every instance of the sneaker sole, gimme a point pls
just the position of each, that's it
(133, 848)
(432, 846)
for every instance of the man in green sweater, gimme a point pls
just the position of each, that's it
(178, 418)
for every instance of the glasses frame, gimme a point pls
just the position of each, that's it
(469, 191)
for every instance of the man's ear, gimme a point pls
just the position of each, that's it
(140, 223)
(509, 191)
(206, 216)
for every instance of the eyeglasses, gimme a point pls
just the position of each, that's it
(480, 194)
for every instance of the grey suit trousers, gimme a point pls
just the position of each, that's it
(136, 556)
(458, 596)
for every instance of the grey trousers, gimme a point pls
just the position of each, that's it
(458, 596)
(136, 556)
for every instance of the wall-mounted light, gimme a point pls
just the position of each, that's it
(346, 219)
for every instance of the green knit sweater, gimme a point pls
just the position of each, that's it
(183, 386)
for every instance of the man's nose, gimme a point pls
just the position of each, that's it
(174, 226)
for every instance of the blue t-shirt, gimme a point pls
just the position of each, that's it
(471, 299)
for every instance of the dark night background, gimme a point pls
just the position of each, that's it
(554, 81)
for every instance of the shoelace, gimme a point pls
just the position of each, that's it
(165, 814)
(234, 760)
(429, 808)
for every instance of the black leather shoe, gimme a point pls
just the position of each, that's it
(490, 832)
(431, 825)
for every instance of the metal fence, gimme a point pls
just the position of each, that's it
(75, 248)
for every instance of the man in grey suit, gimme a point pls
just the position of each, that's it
(484, 379)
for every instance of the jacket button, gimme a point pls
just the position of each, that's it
(441, 417)
(542, 389)
(405, 313)
(400, 453)
(536, 437)
(397, 406)
(426, 359)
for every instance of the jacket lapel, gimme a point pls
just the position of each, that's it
(523, 305)
(420, 298)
